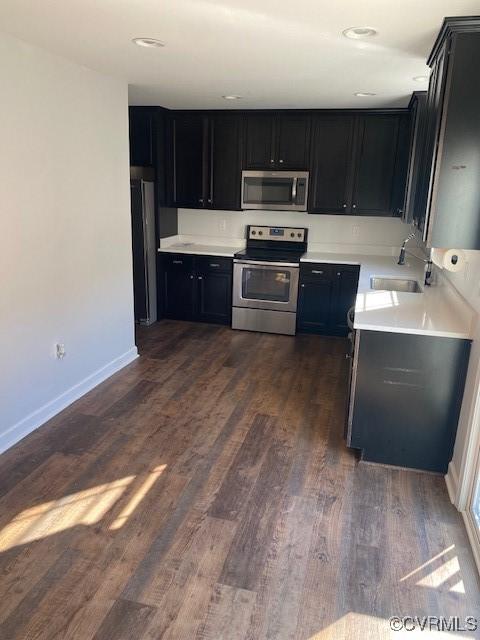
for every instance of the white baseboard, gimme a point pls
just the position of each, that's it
(472, 536)
(451, 480)
(35, 419)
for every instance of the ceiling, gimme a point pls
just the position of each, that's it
(272, 52)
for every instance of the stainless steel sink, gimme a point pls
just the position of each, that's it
(395, 284)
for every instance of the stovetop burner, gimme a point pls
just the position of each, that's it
(274, 244)
(269, 255)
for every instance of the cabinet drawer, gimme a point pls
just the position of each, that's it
(178, 261)
(315, 271)
(214, 263)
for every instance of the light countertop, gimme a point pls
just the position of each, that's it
(438, 311)
(193, 245)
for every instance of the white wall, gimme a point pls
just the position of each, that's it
(65, 247)
(324, 230)
(467, 282)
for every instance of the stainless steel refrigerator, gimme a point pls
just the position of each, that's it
(144, 250)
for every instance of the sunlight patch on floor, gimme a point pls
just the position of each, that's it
(441, 574)
(459, 587)
(353, 626)
(427, 563)
(83, 508)
(137, 497)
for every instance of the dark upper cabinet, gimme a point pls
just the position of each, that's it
(226, 147)
(141, 132)
(358, 164)
(148, 154)
(431, 127)
(374, 184)
(326, 293)
(331, 164)
(448, 202)
(205, 156)
(260, 141)
(292, 140)
(188, 160)
(417, 109)
(277, 141)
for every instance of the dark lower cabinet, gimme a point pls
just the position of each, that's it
(215, 297)
(405, 398)
(326, 293)
(345, 285)
(179, 285)
(314, 299)
(197, 288)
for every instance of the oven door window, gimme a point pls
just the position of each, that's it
(272, 285)
(267, 190)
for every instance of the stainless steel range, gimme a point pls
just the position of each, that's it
(265, 279)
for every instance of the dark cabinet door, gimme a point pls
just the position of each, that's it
(189, 160)
(214, 299)
(314, 299)
(377, 140)
(225, 161)
(332, 165)
(179, 288)
(259, 142)
(141, 136)
(415, 161)
(435, 94)
(292, 135)
(345, 284)
(400, 417)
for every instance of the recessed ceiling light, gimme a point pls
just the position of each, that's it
(420, 78)
(364, 94)
(355, 33)
(232, 97)
(150, 43)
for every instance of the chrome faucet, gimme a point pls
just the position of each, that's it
(401, 259)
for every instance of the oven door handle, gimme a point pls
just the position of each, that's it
(294, 191)
(266, 264)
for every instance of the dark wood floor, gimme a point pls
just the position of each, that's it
(205, 492)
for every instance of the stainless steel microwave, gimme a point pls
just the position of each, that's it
(275, 190)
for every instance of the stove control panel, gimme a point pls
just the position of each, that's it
(282, 234)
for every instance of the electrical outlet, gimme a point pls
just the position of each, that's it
(222, 225)
(355, 230)
(60, 350)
